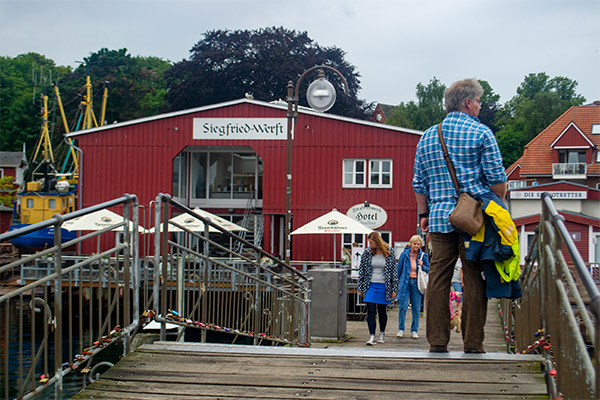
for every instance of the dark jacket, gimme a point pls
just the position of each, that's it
(365, 271)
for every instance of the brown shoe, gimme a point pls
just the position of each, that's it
(474, 351)
(438, 349)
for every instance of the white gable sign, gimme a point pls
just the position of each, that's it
(240, 128)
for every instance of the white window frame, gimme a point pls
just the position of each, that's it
(383, 234)
(380, 174)
(354, 173)
(368, 167)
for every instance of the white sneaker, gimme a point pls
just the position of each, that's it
(400, 334)
(381, 338)
(415, 335)
(371, 341)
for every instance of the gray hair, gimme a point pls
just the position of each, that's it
(460, 91)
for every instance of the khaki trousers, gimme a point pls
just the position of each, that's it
(445, 249)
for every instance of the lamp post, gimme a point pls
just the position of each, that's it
(321, 97)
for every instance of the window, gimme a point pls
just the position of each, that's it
(512, 185)
(379, 174)
(354, 173)
(219, 174)
(387, 237)
(52, 204)
(180, 176)
(595, 129)
(350, 238)
(244, 174)
(30, 204)
(571, 157)
(198, 175)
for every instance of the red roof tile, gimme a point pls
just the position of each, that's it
(537, 156)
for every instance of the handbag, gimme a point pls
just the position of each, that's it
(467, 214)
(422, 277)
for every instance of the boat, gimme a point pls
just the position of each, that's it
(49, 192)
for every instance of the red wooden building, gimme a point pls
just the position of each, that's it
(227, 157)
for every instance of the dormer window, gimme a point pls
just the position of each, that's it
(571, 156)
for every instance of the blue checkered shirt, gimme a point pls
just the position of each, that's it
(476, 158)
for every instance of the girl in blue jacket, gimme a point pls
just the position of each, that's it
(409, 260)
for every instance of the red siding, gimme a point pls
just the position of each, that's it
(138, 158)
(572, 138)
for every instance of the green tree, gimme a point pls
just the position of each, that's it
(489, 106)
(539, 101)
(226, 65)
(428, 110)
(136, 85)
(23, 80)
(8, 192)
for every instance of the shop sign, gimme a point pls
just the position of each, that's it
(240, 128)
(371, 216)
(562, 195)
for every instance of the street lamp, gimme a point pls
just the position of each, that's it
(321, 97)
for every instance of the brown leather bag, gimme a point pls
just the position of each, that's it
(467, 214)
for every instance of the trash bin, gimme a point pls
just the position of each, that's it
(328, 303)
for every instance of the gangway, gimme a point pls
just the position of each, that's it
(94, 303)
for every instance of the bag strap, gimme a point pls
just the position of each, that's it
(448, 160)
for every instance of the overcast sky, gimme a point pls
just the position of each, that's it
(394, 44)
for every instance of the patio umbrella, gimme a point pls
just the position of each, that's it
(96, 221)
(333, 222)
(195, 225)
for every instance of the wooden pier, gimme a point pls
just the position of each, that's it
(401, 368)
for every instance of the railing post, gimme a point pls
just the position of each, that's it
(180, 295)
(127, 235)
(165, 268)
(58, 308)
(157, 271)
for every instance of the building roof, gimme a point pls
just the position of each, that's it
(382, 112)
(13, 159)
(537, 157)
(278, 105)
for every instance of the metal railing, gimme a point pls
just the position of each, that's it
(569, 170)
(559, 313)
(84, 305)
(239, 296)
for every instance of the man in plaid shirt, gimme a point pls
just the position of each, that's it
(478, 164)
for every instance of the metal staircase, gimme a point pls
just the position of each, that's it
(253, 220)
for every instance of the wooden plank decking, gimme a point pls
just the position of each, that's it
(398, 369)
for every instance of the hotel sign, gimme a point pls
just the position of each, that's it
(240, 128)
(371, 216)
(562, 195)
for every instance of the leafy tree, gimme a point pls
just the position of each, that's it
(20, 105)
(430, 108)
(8, 191)
(136, 85)
(539, 101)
(225, 65)
(428, 111)
(489, 106)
